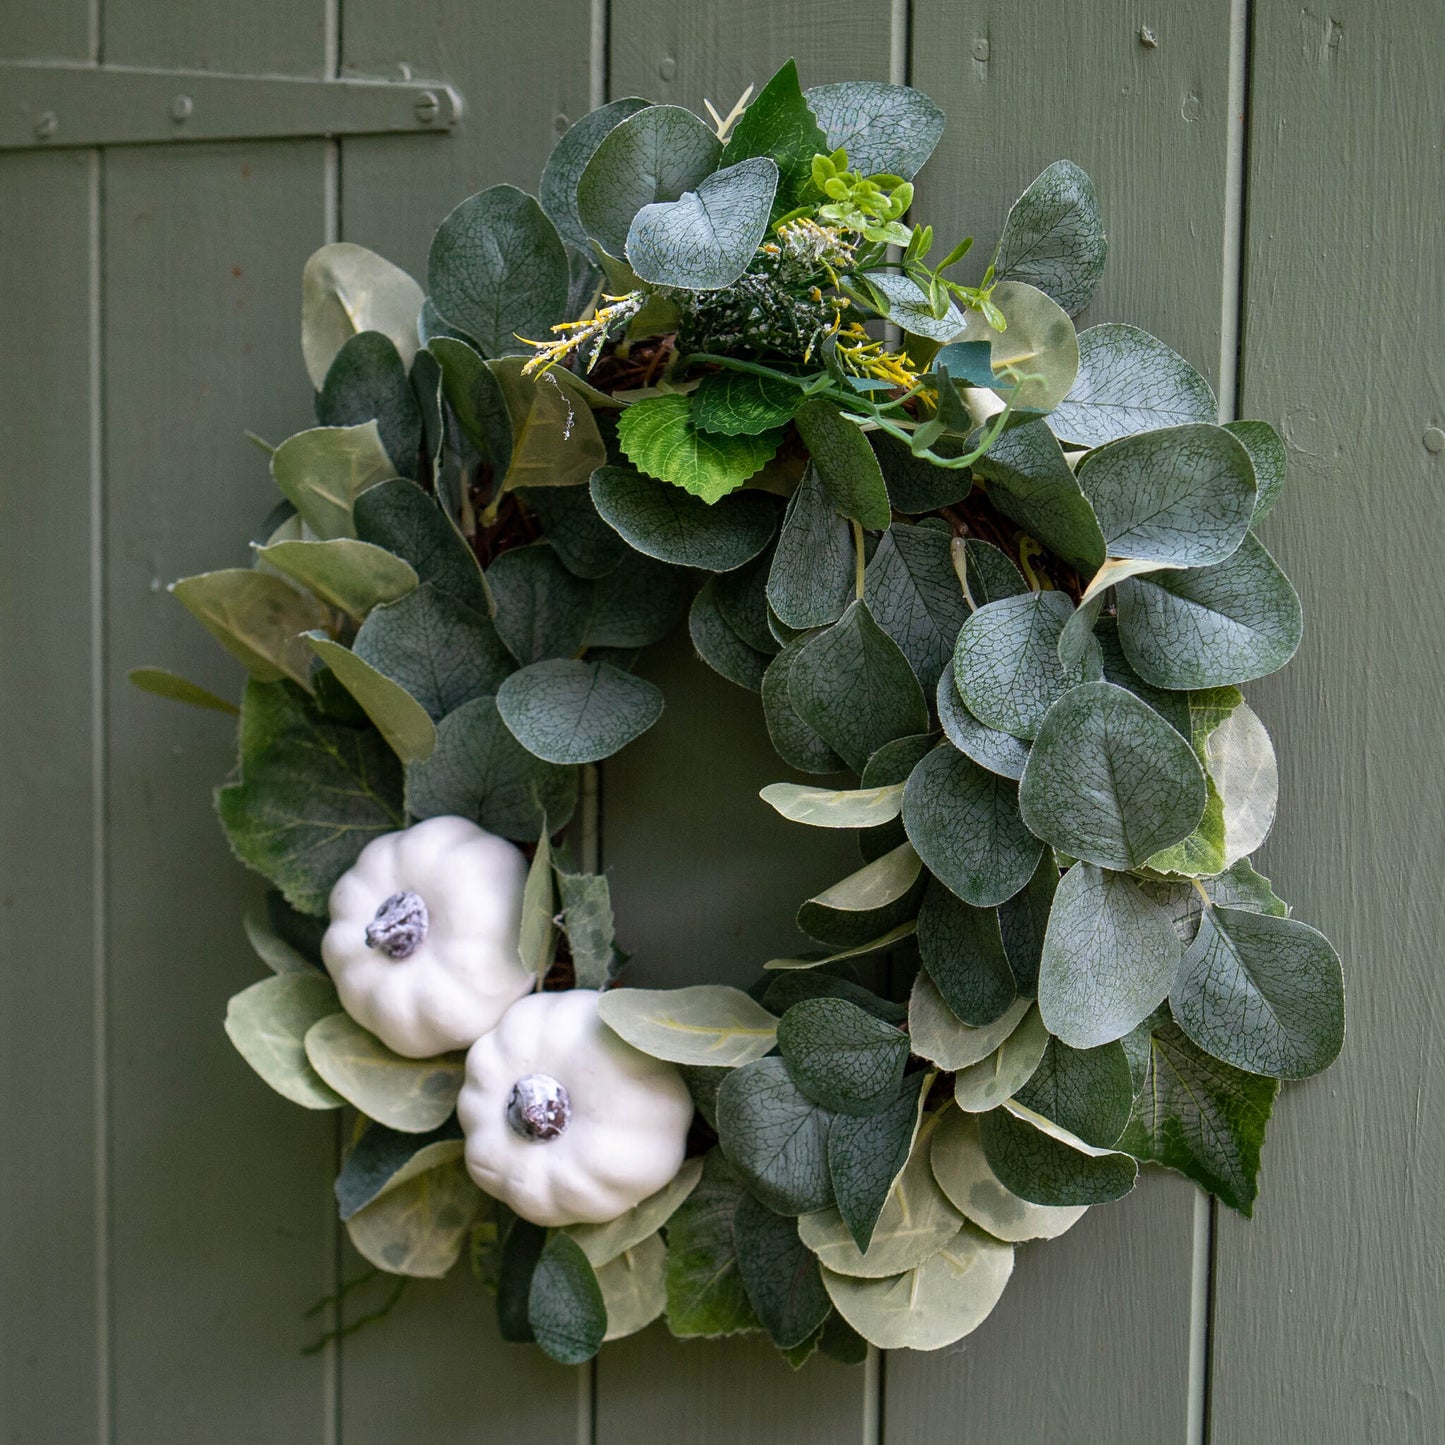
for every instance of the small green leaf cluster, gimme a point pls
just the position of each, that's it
(998, 588)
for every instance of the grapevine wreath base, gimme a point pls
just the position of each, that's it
(1003, 574)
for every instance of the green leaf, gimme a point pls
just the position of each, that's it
(824, 808)
(1109, 958)
(916, 484)
(498, 271)
(914, 595)
(637, 603)
(961, 1168)
(853, 686)
(872, 901)
(346, 289)
(367, 382)
(985, 573)
(162, 682)
(1023, 919)
(418, 1228)
(257, 617)
(659, 438)
(1241, 762)
(867, 1154)
(1173, 707)
(999, 752)
(277, 953)
(267, 1023)
(1032, 1158)
(793, 986)
(779, 1273)
(346, 574)
(795, 742)
(1054, 238)
(1109, 780)
(965, 824)
(440, 650)
(719, 646)
(555, 441)
(934, 1304)
(664, 522)
(522, 1247)
(566, 711)
(655, 155)
(321, 472)
(812, 575)
(602, 1243)
(312, 794)
(985, 1085)
(778, 123)
(410, 1095)
(564, 1305)
(1181, 496)
(1201, 1117)
(1007, 667)
(775, 1137)
(738, 403)
(706, 1023)
(1089, 1092)
(558, 190)
(705, 239)
(587, 545)
(1237, 620)
(587, 918)
(845, 463)
(873, 945)
(398, 716)
(962, 949)
(478, 770)
(537, 940)
(1262, 993)
(401, 518)
(841, 1056)
(634, 1288)
(1039, 342)
(1128, 382)
(1030, 482)
(705, 1291)
(916, 1220)
(542, 609)
(382, 1159)
(1267, 452)
(909, 309)
(891, 128)
(477, 400)
(941, 1037)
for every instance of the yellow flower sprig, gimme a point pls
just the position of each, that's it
(865, 357)
(591, 330)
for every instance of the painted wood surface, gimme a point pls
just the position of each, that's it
(166, 1221)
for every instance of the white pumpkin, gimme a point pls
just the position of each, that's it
(564, 1122)
(424, 931)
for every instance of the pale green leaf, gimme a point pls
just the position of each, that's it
(257, 617)
(268, 1022)
(321, 472)
(705, 1023)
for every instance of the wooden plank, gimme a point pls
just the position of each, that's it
(523, 71)
(1109, 1306)
(705, 879)
(241, 39)
(63, 31)
(223, 1220)
(52, 1329)
(1330, 1317)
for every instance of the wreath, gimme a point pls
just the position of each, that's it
(1005, 575)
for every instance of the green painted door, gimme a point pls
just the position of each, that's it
(1272, 179)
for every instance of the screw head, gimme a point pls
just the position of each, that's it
(181, 107)
(1147, 38)
(426, 107)
(1434, 439)
(980, 48)
(46, 124)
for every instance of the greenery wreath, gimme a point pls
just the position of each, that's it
(1004, 574)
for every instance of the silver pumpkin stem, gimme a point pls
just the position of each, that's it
(538, 1108)
(400, 925)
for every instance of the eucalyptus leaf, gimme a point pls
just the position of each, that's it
(719, 646)
(344, 573)
(161, 682)
(984, 572)
(567, 711)
(321, 472)
(909, 308)
(795, 985)
(915, 483)
(602, 1243)
(1086, 1091)
(941, 1037)
(999, 752)
(872, 901)
(841, 1056)
(779, 1273)
(477, 400)
(794, 741)
(401, 518)
(1054, 238)
(1023, 919)
(705, 1291)
(890, 128)
(558, 190)
(398, 716)
(812, 575)
(1241, 761)
(565, 1307)
(368, 382)
(634, 1287)
(410, 1095)
(588, 921)
(543, 610)
(1267, 452)
(867, 1154)
(1034, 1161)
(637, 603)
(845, 463)
(775, 1137)
(382, 1159)
(346, 289)
(985, 1085)
(824, 808)
(962, 950)
(1039, 343)
(277, 953)
(419, 1227)
(257, 617)
(914, 595)
(872, 945)
(706, 1023)
(555, 440)
(537, 938)
(267, 1023)
(588, 546)
(1173, 707)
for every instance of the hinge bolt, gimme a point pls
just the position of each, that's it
(46, 125)
(427, 107)
(181, 107)
(1147, 38)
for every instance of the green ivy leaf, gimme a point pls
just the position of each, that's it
(1129, 382)
(558, 190)
(999, 752)
(478, 770)
(962, 949)
(965, 824)
(1054, 238)
(659, 438)
(1089, 1092)
(1201, 1117)
(564, 1304)
(346, 574)
(779, 1273)
(812, 575)
(259, 618)
(662, 521)
(346, 289)
(841, 1056)
(853, 686)
(401, 518)
(268, 1022)
(775, 1137)
(368, 382)
(738, 403)
(866, 1155)
(705, 239)
(1262, 993)
(1109, 958)
(705, 1290)
(914, 595)
(498, 271)
(397, 715)
(890, 128)
(413, 1096)
(1109, 780)
(567, 711)
(778, 123)
(845, 463)
(1030, 1158)
(719, 646)
(312, 794)
(1229, 623)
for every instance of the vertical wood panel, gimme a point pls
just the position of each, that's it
(222, 1229)
(705, 879)
(1330, 1321)
(1092, 1340)
(51, 1183)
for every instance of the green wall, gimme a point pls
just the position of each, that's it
(1271, 174)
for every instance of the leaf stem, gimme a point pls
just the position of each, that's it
(859, 562)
